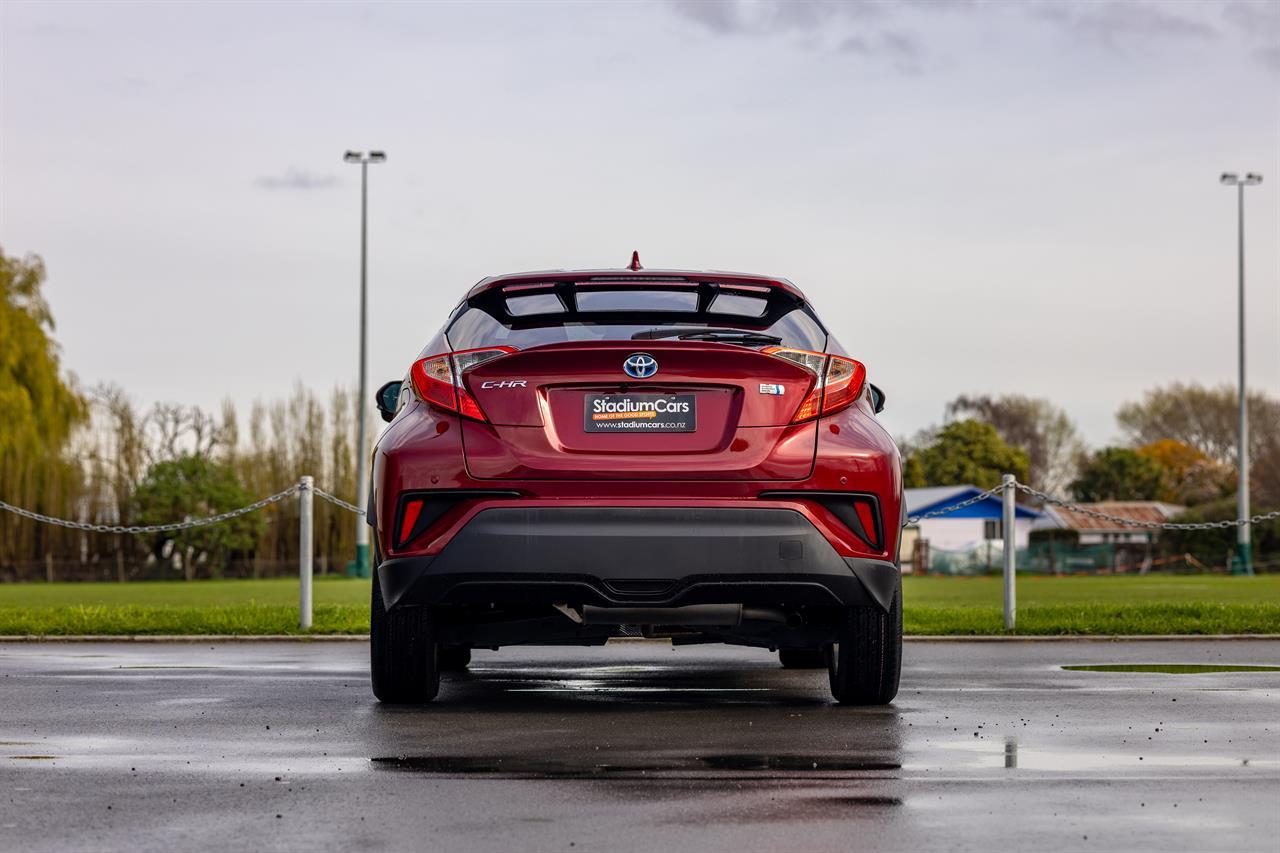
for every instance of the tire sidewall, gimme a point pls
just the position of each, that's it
(864, 663)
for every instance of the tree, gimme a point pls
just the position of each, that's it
(39, 409)
(965, 451)
(913, 472)
(192, 487)
(1217, 544)
(1206, 419)
(1119, 474)
(1190, 477)
(176, 430)
(1041, 429)
(1264, 472)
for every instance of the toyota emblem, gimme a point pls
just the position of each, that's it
(640, 365)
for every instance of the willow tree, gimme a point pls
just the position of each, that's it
(39, 411)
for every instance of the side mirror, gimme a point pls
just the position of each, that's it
(877, 398)
(388, 398)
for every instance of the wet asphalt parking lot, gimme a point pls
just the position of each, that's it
(989, 747)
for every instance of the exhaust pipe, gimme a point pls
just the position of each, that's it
(705, 615)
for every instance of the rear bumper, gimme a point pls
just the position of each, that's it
(638, 556)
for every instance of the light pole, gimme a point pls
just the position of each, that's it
(362, 464)
(1244, 547)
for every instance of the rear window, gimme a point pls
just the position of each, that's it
(523, 320)
(541, 303)
(736, 303)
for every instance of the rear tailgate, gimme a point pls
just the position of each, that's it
(569, 411)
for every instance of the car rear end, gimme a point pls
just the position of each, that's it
(579, 456)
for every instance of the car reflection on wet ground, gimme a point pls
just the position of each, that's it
(988, 746)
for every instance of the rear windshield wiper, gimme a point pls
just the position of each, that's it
(653, 334)
(731, 337)
(723, 335)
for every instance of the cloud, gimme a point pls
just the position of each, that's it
(905, 34)
(768, 17)
(903, 50)
(1259, 18)
(1258, 23)
(297, 179)
(1269, 56)
(1115, 22)
(860, 28)
(719, 16)
(808, 17)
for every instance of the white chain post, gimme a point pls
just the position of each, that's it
(306, 493)
(1010, 552)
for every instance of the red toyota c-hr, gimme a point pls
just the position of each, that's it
(585, 455)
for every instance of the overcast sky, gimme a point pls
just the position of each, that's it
(977, 196)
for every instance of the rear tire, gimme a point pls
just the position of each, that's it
(403, 661)
(802, 658)
(866, 661)
(453, 658)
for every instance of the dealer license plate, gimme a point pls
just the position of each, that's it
(640, 413)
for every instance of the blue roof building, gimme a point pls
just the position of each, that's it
(933, 498)
(972, 535)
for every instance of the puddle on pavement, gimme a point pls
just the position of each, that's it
(1013, 756)
(1172, 668)
(603, 679)
(164, 666)
(855, 800)
(181, 755)
(552, 768)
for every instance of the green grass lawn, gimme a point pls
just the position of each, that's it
(1080, 605)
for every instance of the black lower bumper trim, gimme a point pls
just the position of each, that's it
(638, 556)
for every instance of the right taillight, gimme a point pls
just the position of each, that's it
(837, 381)
(437, 379)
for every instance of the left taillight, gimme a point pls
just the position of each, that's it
(409, 516)
(837, 381)
(437, 379)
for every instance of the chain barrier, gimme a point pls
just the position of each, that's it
(337, 501)
(1101, 516)
(1148, 525)
(150, 528)
(989, 493)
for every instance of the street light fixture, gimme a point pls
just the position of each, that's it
(362, 464)
(1244, 547)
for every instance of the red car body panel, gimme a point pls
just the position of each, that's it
(529, 453)
(422, 449)
(558, 374)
